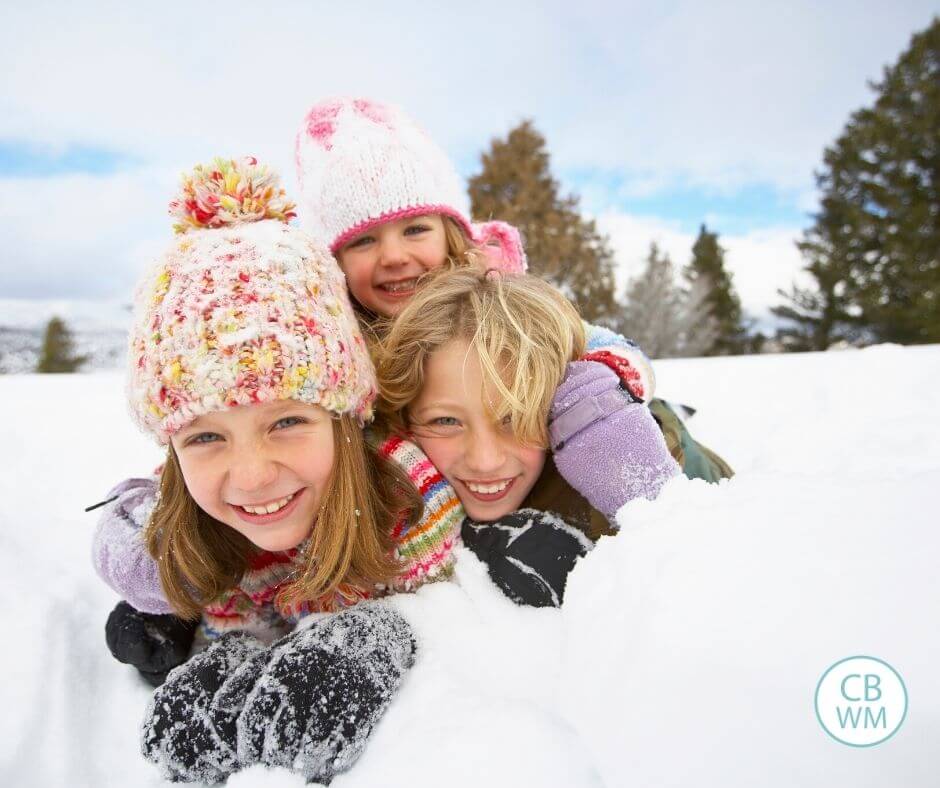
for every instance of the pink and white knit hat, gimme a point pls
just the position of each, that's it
(361, 164)
(242, 309)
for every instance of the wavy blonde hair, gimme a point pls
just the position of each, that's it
(201, 558)
(522, 329)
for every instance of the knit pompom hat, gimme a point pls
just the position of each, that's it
(242, 309)
(361, 164)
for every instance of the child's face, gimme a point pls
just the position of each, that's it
(382, 265)
(276, 456)
(489, 468)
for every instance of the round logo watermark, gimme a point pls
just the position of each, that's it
(861, 701)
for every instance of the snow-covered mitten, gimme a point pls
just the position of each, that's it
(324, 689)
(605, 443)
(180, 734)
(154, 644)
(528, 554)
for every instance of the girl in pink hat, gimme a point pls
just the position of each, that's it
(390, 205)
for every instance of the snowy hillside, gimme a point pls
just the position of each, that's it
(690, 646)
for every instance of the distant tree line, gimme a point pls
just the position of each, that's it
(872, 252)
(697, 313)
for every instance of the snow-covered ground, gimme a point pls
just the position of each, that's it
(690, 645)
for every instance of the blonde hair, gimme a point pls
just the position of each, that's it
(201, 558)
(522, 329)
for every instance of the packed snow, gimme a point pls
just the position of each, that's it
(689, 647)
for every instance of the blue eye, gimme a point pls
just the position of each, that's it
(203, 437)
(288, 421)
(445, 421)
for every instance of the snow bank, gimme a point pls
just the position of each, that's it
(689, 647)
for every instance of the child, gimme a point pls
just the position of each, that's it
(481, 370)
(246, 362)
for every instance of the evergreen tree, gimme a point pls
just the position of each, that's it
(664, 319)
(874, 247)
(58, 352)
(707, 269)
(516, 186)
(698, 328)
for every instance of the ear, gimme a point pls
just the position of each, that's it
(502, 244)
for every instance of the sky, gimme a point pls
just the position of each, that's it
(659, 116)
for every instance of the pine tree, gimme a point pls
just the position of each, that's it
(698, 329)
(707, 269)
(664, 319)
(516, 186)
(58, 353)
(874, 247)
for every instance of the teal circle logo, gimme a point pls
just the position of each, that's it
(861, 701)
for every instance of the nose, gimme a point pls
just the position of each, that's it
(392, 250)
(484, 453)
(252, 471)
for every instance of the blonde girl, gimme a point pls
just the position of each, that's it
(482, 370)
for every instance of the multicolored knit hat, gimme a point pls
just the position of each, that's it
(242, 309)
(361, 164)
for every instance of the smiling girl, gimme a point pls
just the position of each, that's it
(247, 363)
(482, 370)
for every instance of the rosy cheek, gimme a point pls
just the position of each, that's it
(534, 460)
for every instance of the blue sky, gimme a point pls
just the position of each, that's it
(660, 117)
(20, 159)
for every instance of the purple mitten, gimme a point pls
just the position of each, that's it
(606, 445)
(119, 553)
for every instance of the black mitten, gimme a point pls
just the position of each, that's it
(154, 644)
(528, 554)
(180, 734)
(324, 689)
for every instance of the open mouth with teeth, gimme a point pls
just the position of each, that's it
(268, 512)
(399, 287)
(489, 490)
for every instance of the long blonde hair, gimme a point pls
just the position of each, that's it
(201, 558)
(522, 329)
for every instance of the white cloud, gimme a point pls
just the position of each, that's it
(718, 94)
(81, 236)
(761, 261)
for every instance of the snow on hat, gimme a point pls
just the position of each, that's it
(361, 164)
(241, 309)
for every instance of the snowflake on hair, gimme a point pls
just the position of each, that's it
(228, 192)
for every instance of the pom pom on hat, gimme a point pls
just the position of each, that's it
(228, 192)
(502, 245)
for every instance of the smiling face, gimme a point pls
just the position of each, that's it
(383, 265)
(489, 468)
(260, 469)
